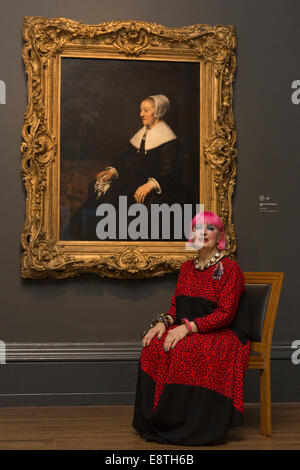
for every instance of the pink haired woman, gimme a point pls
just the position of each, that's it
(195, 356)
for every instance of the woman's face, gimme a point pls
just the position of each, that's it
(147, 114)
(206, 236)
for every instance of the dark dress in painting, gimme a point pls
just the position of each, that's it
(158, 158)
(193, 393)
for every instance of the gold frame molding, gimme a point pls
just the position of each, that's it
(45, 41)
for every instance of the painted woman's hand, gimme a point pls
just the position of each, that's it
(105, 175)
(143, 191)
(175, 335)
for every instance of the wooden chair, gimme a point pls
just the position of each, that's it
(263, 291)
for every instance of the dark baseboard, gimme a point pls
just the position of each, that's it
(67, 399)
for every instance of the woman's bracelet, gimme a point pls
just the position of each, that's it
(188, 325)
(162, 317)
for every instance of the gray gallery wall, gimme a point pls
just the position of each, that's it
(77, 340)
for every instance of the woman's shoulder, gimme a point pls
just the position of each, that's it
(228, 264)
(187, 265)
(156, 137)
(232, 266)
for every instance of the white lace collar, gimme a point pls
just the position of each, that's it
(158, 135)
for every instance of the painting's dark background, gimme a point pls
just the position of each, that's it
(112, 313)
(113, 91)
(100, 108)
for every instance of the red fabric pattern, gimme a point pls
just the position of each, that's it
(213, 358)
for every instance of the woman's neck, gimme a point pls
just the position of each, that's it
(205, 254)
(149, 127)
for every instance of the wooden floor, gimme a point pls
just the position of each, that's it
(109, 428)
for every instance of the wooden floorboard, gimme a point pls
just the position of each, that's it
(109, 428)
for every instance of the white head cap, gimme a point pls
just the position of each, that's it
(161, 105)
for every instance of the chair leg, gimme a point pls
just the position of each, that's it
(265, 401)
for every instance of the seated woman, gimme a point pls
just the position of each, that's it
(192, 366)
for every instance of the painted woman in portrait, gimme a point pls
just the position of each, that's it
(149, 171)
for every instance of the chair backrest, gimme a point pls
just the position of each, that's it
(263, 292)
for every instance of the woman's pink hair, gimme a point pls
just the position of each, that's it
(210, 218)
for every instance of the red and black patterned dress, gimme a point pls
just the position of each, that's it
(193, 393)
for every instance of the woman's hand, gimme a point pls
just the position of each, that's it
(158, 329)
(106, 175)
(143, 191)
(175, 335)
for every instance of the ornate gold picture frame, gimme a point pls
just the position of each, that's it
(52, 47)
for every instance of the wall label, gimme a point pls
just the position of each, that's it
(265, 204)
